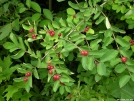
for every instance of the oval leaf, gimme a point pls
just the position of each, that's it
(123, 80)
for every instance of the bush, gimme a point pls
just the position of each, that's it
(85, 53)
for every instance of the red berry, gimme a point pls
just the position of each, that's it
(28, 74)
(25, 79)
(33, 36)
(52, 33)
(130, 41)
(84, 53)
(50, 72)
(49, 67)
(31, 30)
(74, 16)
(123, 59)
(52, 67)
(56, 77)
(59, 34)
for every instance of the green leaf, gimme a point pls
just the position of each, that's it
(62, 22)
(62, 90)
(107, 41)
(90, 31)
(97, 15)
(15, 25)
(116, 29)
(94, 43)
(48, 14)
(22, 9)
(4, 32)
(30, 81)
(36, 16)
(36, 74)
(101, 18)
(21, 43)
(56, 85)
(90, 64)
(69, 46)
(126, 53)
(26, 27)
(14, 39)
(9, 45)
(60, 0)
(73, 5)
(130, 12)
(35, 6)
(101, 69)
(115, 61)
(107, 23)
(97, 77)
(18, 79)
(122, 42)
(124, 80)
(75, 38)
(28, 3)
(85, 62)
(55, 24)
(120, 68)
(70, 11)
(110, 54)
(18, 55)
(12, 89)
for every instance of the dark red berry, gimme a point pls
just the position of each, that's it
(74, 16)
(130, 41)
(28, 74)
(52, 67)
(59, 34)
(56, 77)
(25, 79)
(50, 72)
(33, 36)
(123, 59)
(84, 53)
(48, 67)
(31, 30)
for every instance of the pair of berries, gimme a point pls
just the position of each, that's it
(84, 53)
(33, 35)
(49, 67)
(132, 42)
(56, 77)
(26, 76)
(86, 29)
(51, 32)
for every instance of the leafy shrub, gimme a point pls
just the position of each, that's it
(78, 55)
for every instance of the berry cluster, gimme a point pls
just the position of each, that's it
(26, 76)
(51, 32)
(33, 35)
(50, 68)
(86, 29)
(84, 53)
(132, 42)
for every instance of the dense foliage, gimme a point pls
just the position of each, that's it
(78, 52)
